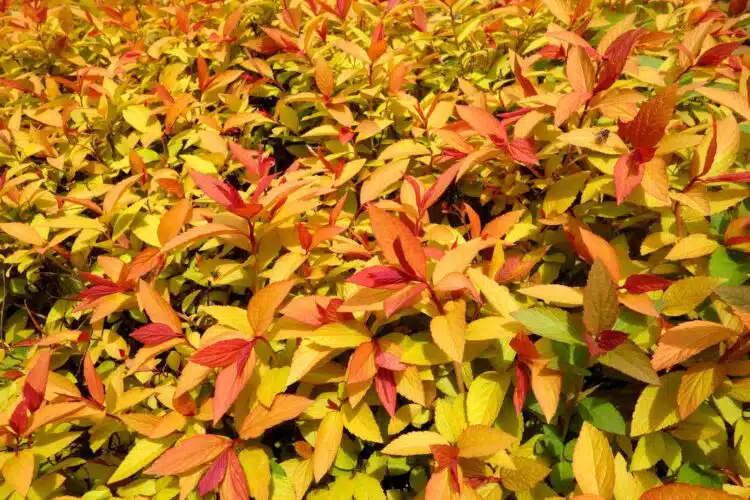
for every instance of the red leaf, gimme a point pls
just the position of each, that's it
(304, 236)
(203, 79)
(435, 191)
(444, 454)
(648, 126)
(3, 178)
(628, 174)
(385, 386)
(403, 298)
(716, 54)
(420, 18)
(525, 348)
(522, 387)
(153, 334)
(388, 361)
(93, 380)
(256, 164)
(222, 353)
(217, 190)
(616, 56)
(19, 419)
(521, 149)
(610, 339)
(386, 277)
(215, 474)
(737, 7)
(732, 177)
(36, 381)
(642, 283)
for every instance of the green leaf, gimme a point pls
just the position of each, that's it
(733, 267)
(551, 323)
(692, 474)
(602, 414)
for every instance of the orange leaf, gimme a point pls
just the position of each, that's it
(158, 309)
(686, 340)
(285, 407)
(600, 305)
(189, 454)
(327, 442)
(93, 380)
(684, 491)
(36, 381)
(173, 220)
(599, 248)
(265, 303)
(324, 77)
(399, 245)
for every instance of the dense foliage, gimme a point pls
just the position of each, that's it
(374, 249)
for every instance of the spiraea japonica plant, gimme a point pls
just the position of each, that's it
(374, 249)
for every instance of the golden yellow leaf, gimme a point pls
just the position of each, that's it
(685, 295)
(327, 442)
(449, 330)
(696, 385)
(555, 294)
(593, 462)
(691, 247)
(414, 443)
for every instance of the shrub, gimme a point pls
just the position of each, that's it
(370, 250)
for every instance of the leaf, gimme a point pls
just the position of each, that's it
(23, 233)
(616, 56)
(647, 128)
(691, 247)
(35, 386)
(686, 340)
(483, 441)
(686, 492)
(731, 99)
(414, 443)
(643, 283)
(457, 259)
(555, 294)
(561, 195)
(142, 454)
(221, 354)
(285, 407)
(395, 239)
(482, 121)
(602, 414)
(189, 454)
(600, 306)
(600, 249)
(551, 323)
(630, 359)
(324, 77)
(19, 471)
(656, 407)
(485, 397)
(449, 331)
(173, 220)
(327, 442)
(264, 304)
(593, 462)
(696, 385)
(629, 172)
(158, 309)
(199, 233)
(685, 295)
(341, 335)
(361, 422)
(93, 380)
(257, 471)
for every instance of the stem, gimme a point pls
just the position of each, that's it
(459, 377)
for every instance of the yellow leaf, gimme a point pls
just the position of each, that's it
(589, 138)
(381, 179)
(691, 247)
(492, 327)
(231, 316)
(404, 148)
(257, 472)
(685, 295)
(458, 259)
(733, 100)
(327, 442)
(361, 422)
(593, 462)
(23, 233)
(449, 330)
(341, 335)
(526, 474)
(414, 443)
(630, 359)
(688, 339)
(656, 407)
(561, 195)
(485, 397)
(698, 383)
(483, 441)
(450, 417)
(142, 454)
(498, 296)
(199, 233)
(19, 471)
(555, 294)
